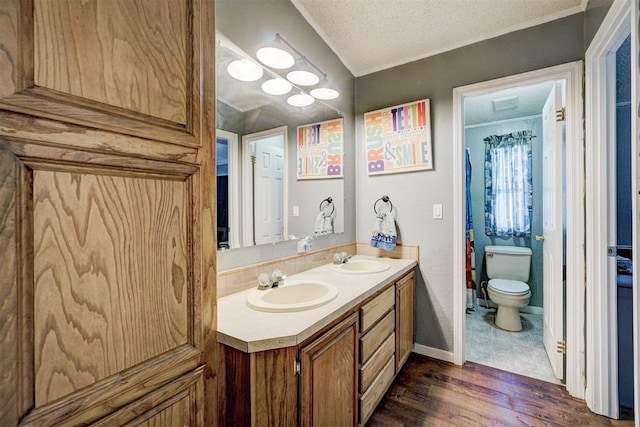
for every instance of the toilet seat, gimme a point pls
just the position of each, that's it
(509, 287)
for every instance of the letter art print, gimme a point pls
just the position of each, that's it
(398, 139)
(321, 150)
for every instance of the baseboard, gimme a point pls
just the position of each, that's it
(527, 309)
(434, 353)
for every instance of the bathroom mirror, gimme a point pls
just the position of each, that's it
(258, 132)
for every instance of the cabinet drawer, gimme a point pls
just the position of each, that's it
(370, 399)
(376, 308)
(373, 339)
(374, 365)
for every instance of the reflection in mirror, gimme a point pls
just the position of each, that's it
(264, 218)
(259, 198)
(227, 185)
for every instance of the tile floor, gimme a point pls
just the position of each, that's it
(519, 352)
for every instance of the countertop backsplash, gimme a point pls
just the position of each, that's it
(240, 279)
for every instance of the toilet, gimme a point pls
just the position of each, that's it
(508, 268)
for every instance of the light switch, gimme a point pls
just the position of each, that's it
(437, 211)
(296, 211)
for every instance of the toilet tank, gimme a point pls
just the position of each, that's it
(508, 262)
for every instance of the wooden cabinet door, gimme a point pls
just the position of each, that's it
(107, 291)
(405, 318)
(328, 390)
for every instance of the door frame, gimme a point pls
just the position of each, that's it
(572, 73)
(233, 192)
(247, 183)
(601, 307)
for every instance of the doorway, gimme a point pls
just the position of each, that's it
(227, 200)
(574, 230)
(515, 133)
(264, 192)
(605, 246)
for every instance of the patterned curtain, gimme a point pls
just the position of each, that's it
(508, 184)
(471, 254)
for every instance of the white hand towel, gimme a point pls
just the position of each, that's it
(324, 224)
(384, 232)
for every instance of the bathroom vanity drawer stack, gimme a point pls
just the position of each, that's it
(377, 351)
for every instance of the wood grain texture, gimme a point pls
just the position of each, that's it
(16, 292)
(373, 310)
(372, 340)
(274, 388)
(49, 133)
(175, 415)
(99, 400)
(16, 46)
(205, 247)
(9, 303)
(405, 318)
(127, 54)
(120, 299)
(328, 383)
(111, 276)
(431, 392)
(370, 370)
(147, 85)
(9, 21)
(375, 392)
(234, 387)
(45, 103)
(174, 404)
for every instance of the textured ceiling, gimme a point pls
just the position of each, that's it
(530, 99)
(372, 35)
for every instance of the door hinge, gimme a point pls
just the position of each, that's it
(561, 114)
(297, 366)
(561, 347)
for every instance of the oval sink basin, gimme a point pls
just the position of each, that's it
(362, 266)
(292, 296)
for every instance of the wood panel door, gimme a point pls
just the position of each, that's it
(328, 382)
(405, 318)
(107, 296)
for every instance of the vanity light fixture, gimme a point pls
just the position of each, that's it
(275, 57)
(324, 93)
(245, 70)
(300, 100)
(276, 86)
(303, 77)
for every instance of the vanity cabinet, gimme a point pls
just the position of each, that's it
(405, 318)
(335, 378)
(329, 377)
(377, 350)
(311, 384)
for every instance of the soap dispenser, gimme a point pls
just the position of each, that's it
(304, 244)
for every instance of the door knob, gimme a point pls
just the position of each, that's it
(539, 237)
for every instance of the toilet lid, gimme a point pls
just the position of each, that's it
(511, 287)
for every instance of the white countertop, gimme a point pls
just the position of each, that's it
(249, 330)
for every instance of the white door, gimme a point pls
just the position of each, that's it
(268, 191)
(552, 228)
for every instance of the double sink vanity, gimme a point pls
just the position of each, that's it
(320, 349)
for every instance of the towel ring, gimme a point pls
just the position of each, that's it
(328, 201)
(384, 199)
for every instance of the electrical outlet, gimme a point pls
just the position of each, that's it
(296, 211)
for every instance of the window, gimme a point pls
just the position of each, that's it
(508, 185)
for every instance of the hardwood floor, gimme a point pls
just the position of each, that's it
(429, 392)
